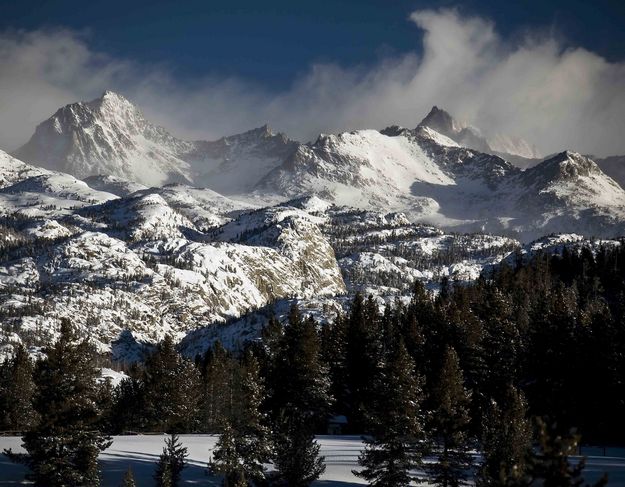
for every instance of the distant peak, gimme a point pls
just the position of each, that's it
(569, 164)
(263, 130)
(567, 155)
(439, 120)
(435, 110)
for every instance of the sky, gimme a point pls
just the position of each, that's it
(551, 72)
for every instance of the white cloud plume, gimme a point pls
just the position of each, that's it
(533, 87)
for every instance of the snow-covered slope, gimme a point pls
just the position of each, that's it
(207, 209)
(555, 244)
(379, 254)
(364, 169)
(233, 165)
(13, 170)
(31, 192)
(113, 185)
(613, 166)
(569, 193)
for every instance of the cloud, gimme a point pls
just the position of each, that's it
(533, 87)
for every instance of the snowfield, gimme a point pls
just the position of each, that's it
(341, 455)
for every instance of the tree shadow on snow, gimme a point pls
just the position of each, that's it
(143, 467)
(11, 474)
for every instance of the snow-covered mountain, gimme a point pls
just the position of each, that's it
(434, 180)
(109, 136)
(365, 169)
(471, 137)
(569, 193)
(443, 123)
(116, 226)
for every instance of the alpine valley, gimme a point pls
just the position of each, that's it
(134, 233)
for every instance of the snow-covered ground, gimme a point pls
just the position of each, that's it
(341, 453)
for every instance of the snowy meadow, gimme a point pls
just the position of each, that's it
(141, 453)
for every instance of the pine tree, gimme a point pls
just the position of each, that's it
(301, 403)
(129, 479)
(105, 401)
(363, 354)
(63, 446)
(251, 432)
(333, 344)
(171, 462)
(16, 392)
(127, 411)
(397, 445)
(550, 466)
(297, 459)
(171, 386)
(506, 442)
(165, 479)
(219, 379)
(450, 424)
(227, 459)
(244, 445)
(306, 394)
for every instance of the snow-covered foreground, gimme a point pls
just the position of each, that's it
(341, 454)
(142, 451)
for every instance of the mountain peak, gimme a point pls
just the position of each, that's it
(113, 101)
(568, 165)
(569, 156)
(263, 130)
(107, 135)
(441, 121)
(112, 96)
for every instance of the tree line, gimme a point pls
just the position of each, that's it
(512, 366)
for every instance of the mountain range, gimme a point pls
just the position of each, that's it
(441, 172)
(133, 233)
